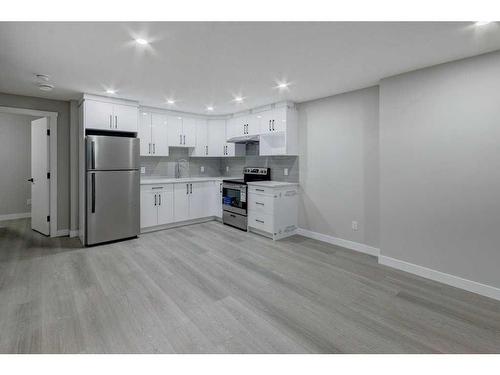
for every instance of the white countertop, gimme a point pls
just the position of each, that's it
(171, 180)
(272, 184)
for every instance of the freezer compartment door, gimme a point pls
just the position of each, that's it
(113, 205)
(111, 153)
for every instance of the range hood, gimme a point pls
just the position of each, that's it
(244, 139)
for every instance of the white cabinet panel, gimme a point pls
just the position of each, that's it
(149, 214)
(200, 194)
(159, 135)
(216, 137)
(217, 201)
(145, 134)
(174, 131)
(253, 124)
(166, 205)
(181, 201)
(273, 144)
(236, 127)
(189, 131)
(98, 115)
(125, 117)
(201, 148)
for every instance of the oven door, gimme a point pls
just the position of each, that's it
(234, 198)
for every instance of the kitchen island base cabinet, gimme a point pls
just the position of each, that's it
(273, 211)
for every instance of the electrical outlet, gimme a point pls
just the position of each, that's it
(285, 171)
(202, 169)
(227, 168)
(354, 225)
(143, 170)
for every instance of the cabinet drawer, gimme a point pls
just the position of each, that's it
(158, 188)
(260, 190)
(261, 221)
(260, 203)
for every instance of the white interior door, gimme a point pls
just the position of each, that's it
(40, 184)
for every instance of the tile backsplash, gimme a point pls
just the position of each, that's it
(213, 167)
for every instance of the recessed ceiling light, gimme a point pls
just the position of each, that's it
(170, 101)
(283, 85)
(238, 99)
(45, 86)
(210, 108)
(179, 118)
(142, 41)
(42, 77)
(110, 91)
(483, 23)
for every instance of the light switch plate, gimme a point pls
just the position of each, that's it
(354, 225)
(202, 169)
(143, 170)
(285, 171)
(227, 168)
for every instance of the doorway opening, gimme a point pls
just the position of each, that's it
(28, 174)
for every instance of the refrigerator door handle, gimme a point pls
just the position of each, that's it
(92, 177)
(92, 155)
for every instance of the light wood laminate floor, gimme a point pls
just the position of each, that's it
(212, 289)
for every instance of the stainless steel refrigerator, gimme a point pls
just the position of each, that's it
(112, 188)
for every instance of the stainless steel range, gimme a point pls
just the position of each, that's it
(234, 196)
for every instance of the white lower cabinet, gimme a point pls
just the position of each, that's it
(157, 205)
(181, 201)
(191, 200)
(273, 211)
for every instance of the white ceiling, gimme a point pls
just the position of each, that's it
(207, 63)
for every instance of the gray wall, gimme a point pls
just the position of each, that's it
(15, 156)
(63, 158)
(440, 168)
(339, 166)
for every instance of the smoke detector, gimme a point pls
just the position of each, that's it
(45, 86)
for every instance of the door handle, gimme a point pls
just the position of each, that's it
(92, 155)
(262, 204)
(155, 199)
(259, 189)
(154, 148)
(187, 188)
(92, 179)
(116, 122)
(149, 149)
(31, 180)
(191, 188)
(184, 139)
(110, 121)
(159, 199)
(206, 150)
(259, 221)
(180, 139)
(273, 125)
(269, 125)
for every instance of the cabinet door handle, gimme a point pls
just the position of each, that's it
(269, 125)
(110, 121)
(159, 199)
(149, 149)
(259, 221)
(187, 188)
(116, 122)
(262, 204)
(154, 148)
(273, 125)
(206, 152)
(155, 199)
(259, 189)
(180, 139)
(184, 139)
(191, 188)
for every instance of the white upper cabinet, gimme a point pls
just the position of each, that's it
(153, 134)
(104, 115)
(174, 130)
(216, 137)
(253, 124)
(181, 131)
(159, 135)
(236, 127)
(279, 132)
(189, 131)
(201, 148)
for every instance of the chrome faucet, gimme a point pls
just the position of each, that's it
(178, 167)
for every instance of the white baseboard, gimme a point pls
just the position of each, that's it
(74, 233)
(21, 215)
(62, 233)
(356, 246)
(445, 278)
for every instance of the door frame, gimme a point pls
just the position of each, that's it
(52, 119)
